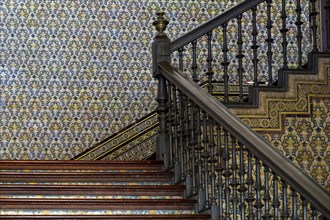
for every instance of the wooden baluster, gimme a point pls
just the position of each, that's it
(181, 58)
(227, 174)
(258, 188)
(169, 122)
(314, 213)
(194, 64)
(269, 41)
(225, 62)
(242, 188)
(276, 202)
(240, 57)
(210, 72)
(219, 171)
(285, 211)
(192, 145)
(181, 117)
(266, 194)
(206, 157)
(304, 209)
(255, 47)
(250, 197)
(327, 25)
(188, 177)
(234, 182)
(212, 161)
(313, 15)
(181, 134)
(284, 30)
(177, 170)
(299, 34)
(201, 193)
(294, 215)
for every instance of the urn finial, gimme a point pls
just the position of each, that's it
(160, 23)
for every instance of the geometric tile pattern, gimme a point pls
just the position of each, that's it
(72, 73)
(306, 141)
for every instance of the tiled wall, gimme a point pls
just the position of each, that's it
(74, 72)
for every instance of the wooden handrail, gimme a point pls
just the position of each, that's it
(213, 23)
(289, 172)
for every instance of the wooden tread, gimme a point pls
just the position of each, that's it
(97, 190)
(81, 165)
(86, 177)
(130, 217)
(98, 204)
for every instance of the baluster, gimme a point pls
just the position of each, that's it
(194, 64)
(304, 209)
(242, 188)
(209, 73)
(177, 170)
(188, 177)
(294, 215)
(201, 193)
(219, 171)
(285, 211)
(225, 62)
(240, 57)
(227, 174)
(314, 213)
(313, 15)
(192, 144)
(181, 58)
(234, 182)
(269, 41)
(255, 47)
(206, 157)
(327, 25)
(169, 122)
(181, 134)
(299, 34)
(212, 161)
(283, 31)
(266, 194)
(250, 197)
(258, 187)
(276, 202)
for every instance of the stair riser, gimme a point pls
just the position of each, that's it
(182, 216)
(109, 213)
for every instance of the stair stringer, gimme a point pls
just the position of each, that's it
(274, 106)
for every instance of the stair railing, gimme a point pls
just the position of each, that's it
(232, 171)
(242, 46)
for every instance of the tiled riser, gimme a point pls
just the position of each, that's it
(4, 212)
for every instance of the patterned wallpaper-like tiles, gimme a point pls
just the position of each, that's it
(74, 72)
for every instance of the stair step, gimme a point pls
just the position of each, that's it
(103, 191)
(97, 204)
(131, 217)
(59, 166)
(130, 178)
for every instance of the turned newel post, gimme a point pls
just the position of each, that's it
(161, 52)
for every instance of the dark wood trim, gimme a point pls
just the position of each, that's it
(114, 135)
(279, 164)
(79, 165)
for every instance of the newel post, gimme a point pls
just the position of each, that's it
(161, 52)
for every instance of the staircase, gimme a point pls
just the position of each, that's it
(91, 190)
